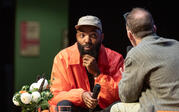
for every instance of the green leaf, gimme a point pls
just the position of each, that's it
(44, 105)
(25, 88)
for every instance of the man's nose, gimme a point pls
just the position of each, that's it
(87, 39)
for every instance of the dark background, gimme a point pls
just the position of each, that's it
(7, 36)
(111, 14)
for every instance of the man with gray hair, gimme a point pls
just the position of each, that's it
(150, 80)
(78, 68)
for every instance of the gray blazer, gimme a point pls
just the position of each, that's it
(151, 75)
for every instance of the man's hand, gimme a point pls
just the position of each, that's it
(88, 100)
(90, 63)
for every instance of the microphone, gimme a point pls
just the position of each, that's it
(96, 91)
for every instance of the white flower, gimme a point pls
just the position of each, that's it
(35, 96)
(14, 99)
(26, 98)
(34, 86)
(45, 83)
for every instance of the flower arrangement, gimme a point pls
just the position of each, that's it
(33, 97)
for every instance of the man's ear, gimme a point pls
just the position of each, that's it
(131, 38)
(155, 28)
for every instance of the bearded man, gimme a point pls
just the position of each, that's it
(78, 68)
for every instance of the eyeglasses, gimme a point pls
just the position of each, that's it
(125, 15)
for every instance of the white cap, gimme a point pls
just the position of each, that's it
(89, 20)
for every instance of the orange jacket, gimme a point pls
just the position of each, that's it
(69, 78)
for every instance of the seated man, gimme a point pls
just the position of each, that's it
(78, 68)
(150, 81)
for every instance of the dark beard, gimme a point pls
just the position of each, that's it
(93, 52)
